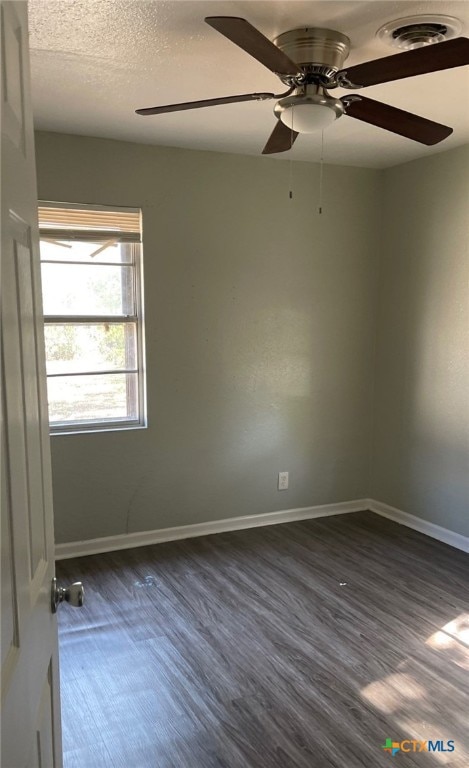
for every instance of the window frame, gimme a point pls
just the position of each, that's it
(137, 320)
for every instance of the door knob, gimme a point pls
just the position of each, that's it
(74, 594)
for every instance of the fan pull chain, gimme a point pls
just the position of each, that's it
(321, 172)
(291, 161)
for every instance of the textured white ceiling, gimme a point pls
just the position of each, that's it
(95, 61)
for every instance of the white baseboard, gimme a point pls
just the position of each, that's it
(419, 524)
(143, 538)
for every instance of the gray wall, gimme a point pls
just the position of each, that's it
(261, 317)
(259, 332)
(421, 435)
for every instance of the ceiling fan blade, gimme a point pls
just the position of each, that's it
(205, 103)
(430, 58)
(281, 139)
(247, 37)
(396, 120)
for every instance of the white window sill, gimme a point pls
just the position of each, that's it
(96, 429)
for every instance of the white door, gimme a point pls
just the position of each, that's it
(30, 684)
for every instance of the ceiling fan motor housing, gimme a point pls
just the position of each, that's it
(319, 52)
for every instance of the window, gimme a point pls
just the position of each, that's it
(91, 264)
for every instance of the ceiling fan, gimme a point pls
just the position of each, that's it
(309, 62)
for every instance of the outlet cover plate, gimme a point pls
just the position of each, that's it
(283, 481)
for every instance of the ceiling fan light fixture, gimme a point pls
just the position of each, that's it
(311, 110)
(308, 118)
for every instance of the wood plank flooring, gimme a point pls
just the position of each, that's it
(302, 645)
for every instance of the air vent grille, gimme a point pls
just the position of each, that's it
(418, 31)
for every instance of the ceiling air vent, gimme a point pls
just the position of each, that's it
(417, 31)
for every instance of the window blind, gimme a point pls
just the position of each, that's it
(92, 224)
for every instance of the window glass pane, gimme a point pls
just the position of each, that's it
(91, 253)
(101, 398)
(85, 348)
(81, 289)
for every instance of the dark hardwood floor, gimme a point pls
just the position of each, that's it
(302, 645)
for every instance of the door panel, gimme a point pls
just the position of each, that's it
(13, 56)
(27, 345)
(42, 751)
(9, 624)
(30, 699)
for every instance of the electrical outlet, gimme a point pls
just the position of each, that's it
(283, 481)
